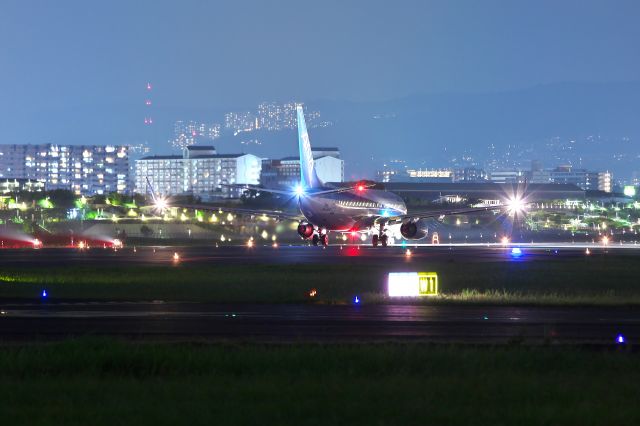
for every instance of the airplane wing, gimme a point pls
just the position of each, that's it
(441, 213)
(276, 214)
(309, 193)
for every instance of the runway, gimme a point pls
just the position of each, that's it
(318, 323)
(302, 254)
(162, 320)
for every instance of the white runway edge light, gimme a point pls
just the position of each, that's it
(412, 284)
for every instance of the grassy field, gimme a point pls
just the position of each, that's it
(605, 279)
(102, 382)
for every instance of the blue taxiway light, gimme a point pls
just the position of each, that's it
(356, 300)
(516, 252)
(44, 293)
(620, 339)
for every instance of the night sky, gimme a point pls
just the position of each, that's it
(71, 58)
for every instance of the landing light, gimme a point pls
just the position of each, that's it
(299, 190)
(37, 243)
(505, 241)
(516, 205)
(176, 256)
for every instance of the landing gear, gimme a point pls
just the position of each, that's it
(320, 239)
(380, 238)
(376, 239)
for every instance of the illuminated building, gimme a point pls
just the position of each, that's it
(285, 172)
(508, 176)
(239, 122)
(585, 179)
(21, 185)
(200, 171)
(84, 169)
(187, 133)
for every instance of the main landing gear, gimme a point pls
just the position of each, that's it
(320, 239)
(317, 235)
(380, 238)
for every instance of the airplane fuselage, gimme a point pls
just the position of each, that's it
(351, 210)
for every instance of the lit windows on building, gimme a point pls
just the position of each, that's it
(73, 167)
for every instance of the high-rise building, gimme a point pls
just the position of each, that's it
(239, 122)
(187, 133)
(200, 171)
(83, 169)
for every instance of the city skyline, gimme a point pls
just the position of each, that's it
(431, 82)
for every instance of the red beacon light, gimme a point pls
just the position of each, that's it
(360, 188)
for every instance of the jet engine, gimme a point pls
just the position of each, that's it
(305, 230)
(414, 230)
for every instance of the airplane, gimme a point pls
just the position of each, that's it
(359, 209)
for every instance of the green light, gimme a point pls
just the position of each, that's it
(630, 191)
(45, 203)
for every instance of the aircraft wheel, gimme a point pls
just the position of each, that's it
(315, 239)
(384, 240)
(374, 240)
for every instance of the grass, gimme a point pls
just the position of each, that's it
(104, 382)
(594, 280)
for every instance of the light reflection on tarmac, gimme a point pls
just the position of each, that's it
(303, 254)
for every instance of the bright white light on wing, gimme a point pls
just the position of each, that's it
(516, 206)
(299, 190)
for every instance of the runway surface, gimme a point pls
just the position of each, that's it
(301, 254)
(319, 323)
(48, 319)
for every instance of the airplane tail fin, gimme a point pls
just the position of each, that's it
(308, 176)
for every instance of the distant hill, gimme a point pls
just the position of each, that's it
(602, 118)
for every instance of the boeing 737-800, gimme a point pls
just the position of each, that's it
(353, 209)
